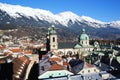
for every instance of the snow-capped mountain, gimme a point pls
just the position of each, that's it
(17, 11)
(19, 15)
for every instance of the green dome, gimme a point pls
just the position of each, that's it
(96, 43)
(51, 30)
(84, 36)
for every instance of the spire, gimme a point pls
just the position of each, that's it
(83, 31)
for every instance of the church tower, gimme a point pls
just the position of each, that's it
(84, 39)
(52, 42)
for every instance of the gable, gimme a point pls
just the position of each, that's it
(77, 46)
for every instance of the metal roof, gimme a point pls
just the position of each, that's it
(64, 45)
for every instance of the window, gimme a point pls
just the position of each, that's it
(60, 52)
(82, 71)
(42, 68)
(53, 39)
(69, 53)
(53, 45)
(95, 70)
(82, 42)
(51, 76)
(88, 70)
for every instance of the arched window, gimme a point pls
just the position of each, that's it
(86, 42)
(82, 42)
(53, 45)
(88, 70)
(60, 52)
(69, 53)
(53, 39)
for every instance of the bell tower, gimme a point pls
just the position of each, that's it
(52, 38)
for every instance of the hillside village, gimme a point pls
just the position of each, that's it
(25, 58)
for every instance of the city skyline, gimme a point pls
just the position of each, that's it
(103, 10)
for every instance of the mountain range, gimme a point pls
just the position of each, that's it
(67, 21)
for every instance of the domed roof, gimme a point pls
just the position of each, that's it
(51, 30)
(84, 36)
(96, 43)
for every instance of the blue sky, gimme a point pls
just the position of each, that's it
(104, 10)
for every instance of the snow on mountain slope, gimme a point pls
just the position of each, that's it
(93, 22)
(115, 24)
(67, 16)
(64, 18)
(16, 11)
(89, 19)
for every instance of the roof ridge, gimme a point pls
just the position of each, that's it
(87, 65)
(56, 67)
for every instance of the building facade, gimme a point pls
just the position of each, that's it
(66, 48)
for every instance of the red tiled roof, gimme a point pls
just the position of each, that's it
(16, 50)
(28, 52)
(54, 59)
(8, 53)
(23, 58)
(43, 56)
(66, 63)
(2, 61)
(27, 62)
(56, 67)
(2, 47)
(89, 65)
(58, 55)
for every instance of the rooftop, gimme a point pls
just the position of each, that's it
(94, 76)
(57, 67)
